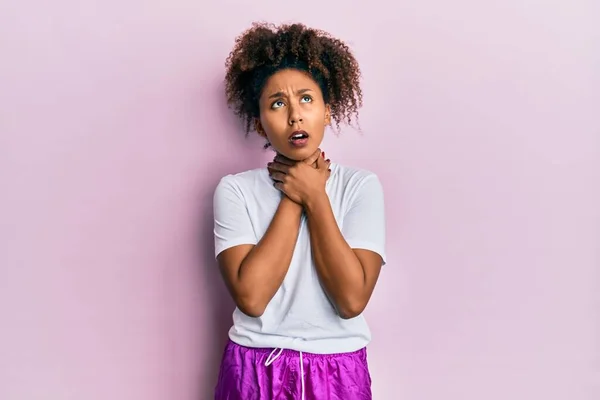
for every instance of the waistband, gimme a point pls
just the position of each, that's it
(296, 353)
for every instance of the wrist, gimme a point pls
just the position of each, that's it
(288, 204)
(316, 202)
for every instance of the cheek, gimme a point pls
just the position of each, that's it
(275, 117)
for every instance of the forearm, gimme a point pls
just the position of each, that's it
(261, 273)
(339, 269)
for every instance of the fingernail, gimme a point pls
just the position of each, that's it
(328, 160)
(323, 154)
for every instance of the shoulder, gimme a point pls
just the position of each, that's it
(349, 172)
(242, 179)
(353, 179)
(240, 183)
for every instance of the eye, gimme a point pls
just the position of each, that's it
(306, 99)
(277, 104)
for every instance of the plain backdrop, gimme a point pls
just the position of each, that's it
(481, 118)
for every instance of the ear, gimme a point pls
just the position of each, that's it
(327, 115)
(259, 128)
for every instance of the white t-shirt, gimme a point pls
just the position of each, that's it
(300, 316)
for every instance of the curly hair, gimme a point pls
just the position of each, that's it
(264, 49)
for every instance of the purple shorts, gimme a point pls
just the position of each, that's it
(275, 374)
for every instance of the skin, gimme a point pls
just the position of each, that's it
(253, 274)
(291, 100)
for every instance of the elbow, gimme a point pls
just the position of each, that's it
(252, 312)
(351, 310)
(253, 309)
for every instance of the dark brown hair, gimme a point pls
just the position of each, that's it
(264, 49)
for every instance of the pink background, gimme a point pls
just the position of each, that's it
(481, 119)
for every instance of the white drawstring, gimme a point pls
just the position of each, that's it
(271, 360)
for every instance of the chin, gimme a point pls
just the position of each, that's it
(296, 154)
(300, 154)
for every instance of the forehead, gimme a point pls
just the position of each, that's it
(290, 79)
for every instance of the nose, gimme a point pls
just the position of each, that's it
(295, 117)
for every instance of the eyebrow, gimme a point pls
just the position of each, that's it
(281, 94)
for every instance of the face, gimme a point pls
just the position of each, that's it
(293, 115)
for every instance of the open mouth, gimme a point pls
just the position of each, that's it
(298, 136)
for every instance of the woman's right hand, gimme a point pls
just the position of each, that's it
(312, 160)
(301, 182)
(285, 162)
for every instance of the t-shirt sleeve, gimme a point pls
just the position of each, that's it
(364, 222)
(232, 225)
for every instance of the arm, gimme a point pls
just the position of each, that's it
(254, 273)
(253, 270)
(348, 272)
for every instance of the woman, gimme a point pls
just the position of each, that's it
(300, 243)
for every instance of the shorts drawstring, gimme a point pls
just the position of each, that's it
(271, 360)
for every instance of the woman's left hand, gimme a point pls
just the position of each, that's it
(300, 182)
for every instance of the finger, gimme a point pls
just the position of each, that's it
(277, 176)
(271, 170)
(279, 186)
(321, 163)
(324, 165)
(283, 160)
(277, 166)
